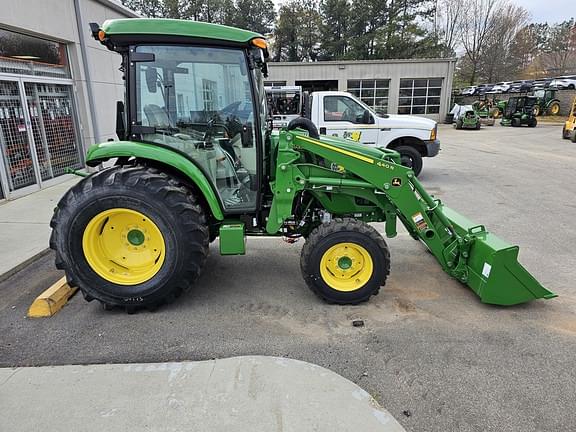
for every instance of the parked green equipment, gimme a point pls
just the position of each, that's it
(196, 161)
(468, 120)
(519, 111)
(546, 103)
(482, 108)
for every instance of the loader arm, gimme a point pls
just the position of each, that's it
(466, 251)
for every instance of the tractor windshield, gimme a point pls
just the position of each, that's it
(198, 100)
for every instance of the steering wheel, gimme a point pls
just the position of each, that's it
(348, 115)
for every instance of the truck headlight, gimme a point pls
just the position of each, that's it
(433, 133)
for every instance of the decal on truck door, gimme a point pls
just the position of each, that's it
(353, 135)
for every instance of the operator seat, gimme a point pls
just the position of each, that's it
(156, 116)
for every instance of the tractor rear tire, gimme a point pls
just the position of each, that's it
(130, 236)
(345, 261)
(411, 158)
(554, 109)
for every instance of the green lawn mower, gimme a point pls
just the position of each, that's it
(520, 111)
(136, 234)
(468, 120)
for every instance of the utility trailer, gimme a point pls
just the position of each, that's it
(137, 234)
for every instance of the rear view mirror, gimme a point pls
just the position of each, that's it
(151, 79)
(120, 121)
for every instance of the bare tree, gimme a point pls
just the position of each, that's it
(479, 20)
(448, 25)
(497, 59)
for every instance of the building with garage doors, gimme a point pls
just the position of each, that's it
(419, 86)
(58, 89)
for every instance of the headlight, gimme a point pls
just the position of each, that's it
(433, 133)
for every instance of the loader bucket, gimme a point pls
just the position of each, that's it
(494, 272)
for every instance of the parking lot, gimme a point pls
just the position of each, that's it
(429, 352)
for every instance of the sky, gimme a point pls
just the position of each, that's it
(540, 10)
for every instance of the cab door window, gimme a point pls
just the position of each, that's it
(343, 108)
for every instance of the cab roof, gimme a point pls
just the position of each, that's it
(163, 28)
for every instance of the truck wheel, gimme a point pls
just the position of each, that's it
(130, 236)
(411, 158)
(345, 261)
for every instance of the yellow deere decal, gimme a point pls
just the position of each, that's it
(354, 135)
(339, 150)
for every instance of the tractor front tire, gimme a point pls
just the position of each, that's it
(410, 158)
(573, 136)
(130, 236)
(345, 261)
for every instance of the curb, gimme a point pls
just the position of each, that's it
(52, 300)
(23, 264)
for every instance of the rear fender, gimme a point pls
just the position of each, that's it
(98, 153)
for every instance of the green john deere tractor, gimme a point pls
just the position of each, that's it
(520, 111)
(547, 103)
(196, 161)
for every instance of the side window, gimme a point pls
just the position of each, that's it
(342, 108)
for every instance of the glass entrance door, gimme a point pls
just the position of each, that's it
(38, 135)
(17, 155)
(53, 127)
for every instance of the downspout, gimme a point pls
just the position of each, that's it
(86, 67)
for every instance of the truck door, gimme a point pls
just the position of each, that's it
(344, 117)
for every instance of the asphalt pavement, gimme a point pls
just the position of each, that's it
(429, 352)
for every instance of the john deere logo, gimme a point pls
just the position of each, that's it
(396, 181)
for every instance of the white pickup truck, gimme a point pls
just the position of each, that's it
(340, 114)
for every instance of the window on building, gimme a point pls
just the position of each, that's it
(373, 92)
(274, 83)
(420, 96)
(209, 95)
(27, 55)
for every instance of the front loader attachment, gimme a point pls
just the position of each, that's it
(493, 270)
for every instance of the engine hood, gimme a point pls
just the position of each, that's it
(406, 122)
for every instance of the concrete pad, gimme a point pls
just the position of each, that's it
(253, 393)
(25, 225)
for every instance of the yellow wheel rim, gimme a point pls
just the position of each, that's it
(555, 109)
(123, 246)
(346, 267)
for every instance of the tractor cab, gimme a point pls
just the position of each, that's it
(204, 99)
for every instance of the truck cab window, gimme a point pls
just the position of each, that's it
(343, 108)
